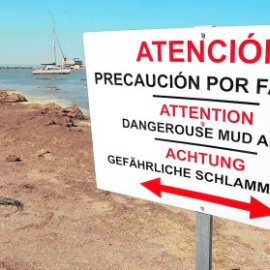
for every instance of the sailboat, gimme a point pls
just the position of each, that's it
(53, 68)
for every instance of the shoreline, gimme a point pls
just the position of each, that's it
(63, 104)
(37, 100)
(63, 90)
(70, 116)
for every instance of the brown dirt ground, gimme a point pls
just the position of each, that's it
(68, 224)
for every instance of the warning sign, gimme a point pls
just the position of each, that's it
(181, 117)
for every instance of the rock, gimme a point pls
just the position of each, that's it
(86, 117)
(5, 97)
(83, 124)
(44, 111)
(9, 201)
(62, 116)
(28, 186)
(70, 124)
(13, 158)
(62, 120)
(43, 152)
(50, 123)
(17, 98)
(52, 107)
(73, 112)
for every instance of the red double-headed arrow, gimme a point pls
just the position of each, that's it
(255, 208)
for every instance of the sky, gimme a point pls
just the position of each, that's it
(26, 25)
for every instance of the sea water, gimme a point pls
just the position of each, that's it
(65, 90)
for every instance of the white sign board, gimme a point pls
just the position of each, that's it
(182, 117)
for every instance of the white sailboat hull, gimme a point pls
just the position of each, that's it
(51, 71)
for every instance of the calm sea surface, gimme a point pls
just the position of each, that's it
(62, 89)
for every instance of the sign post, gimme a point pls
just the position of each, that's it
(204, 233)
(181, 117)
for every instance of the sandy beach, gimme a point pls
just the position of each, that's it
(56, 218)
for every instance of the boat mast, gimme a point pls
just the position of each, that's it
(54, 49)
(64, 57)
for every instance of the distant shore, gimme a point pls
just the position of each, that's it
(16, 67)
(28, 67)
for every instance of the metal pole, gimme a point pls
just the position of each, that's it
(54, 49)
(204, 232)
